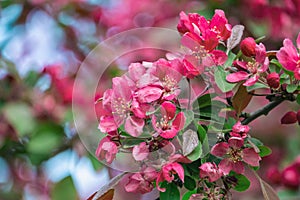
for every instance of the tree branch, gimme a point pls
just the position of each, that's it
(265, 110)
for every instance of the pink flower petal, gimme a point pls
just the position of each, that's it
(140, 152)
(238, 167)
(179, 121)
(236, 142)
(251, 81)
(149, 94)
(237, 77)
(251, 157)
(225, 166)
(134, 126)
(168, 109)
(220, 149)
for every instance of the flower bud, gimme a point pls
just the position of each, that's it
(290, 177)
(289, 118)
(273, 80)
(248, 46)
(298, 116)
(274, 175)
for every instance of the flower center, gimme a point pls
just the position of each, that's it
(200, 52)
(235, 155)
(120, 107)
(252, 67)
(163, 123)
(168, 83)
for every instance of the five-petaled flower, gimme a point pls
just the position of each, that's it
(142, 181)
(168, 125)
(211, 171)
(234, 155)
(251, 71)
(167, 174)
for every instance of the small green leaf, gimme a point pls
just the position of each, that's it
(298, 99)
(243, 183)
(171, 193)
(196, 153)
(20, 116)
(255, 141)
(189, 183)
(264, 151)
(220, 79)
(64, 189)
(256, 86)
(291, 88)
(189, 117)
(188, 194)
(276, 63)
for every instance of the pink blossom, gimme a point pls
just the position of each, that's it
(290, 177)
(107, 124)
(250, 71)
(218, 24)
(168, 76)
(149, 94)
(107, 150)
(187, 22)
(289, 57)
(211, 171)
(203, 53)
(142, 182)
(167, 174)
(235, 154)
(168, 125)
(140, 152)
(239, 130)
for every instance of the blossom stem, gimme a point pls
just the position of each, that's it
(266, 109)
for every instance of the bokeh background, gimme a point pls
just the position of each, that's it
(43, 43)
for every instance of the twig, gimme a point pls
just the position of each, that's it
(265, 110)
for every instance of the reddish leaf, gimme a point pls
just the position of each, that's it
(241, 99)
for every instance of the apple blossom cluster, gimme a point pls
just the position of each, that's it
(168, 132)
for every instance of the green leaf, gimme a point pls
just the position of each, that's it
(189, 117)
(20, 116)
(220, 78)
(64, 189)
(171, 193)
(203, 139)
(298, 99)
(255, 141)
(230, 59)
(264, 151)
(188, 194)
(204, 101)
(291, 88)
(243, 182)
(256, 86)
(196, 153)
(276, 63)
(189, 183)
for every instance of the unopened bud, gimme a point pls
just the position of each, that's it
(248, 46)
(289, 118)
(273, 80)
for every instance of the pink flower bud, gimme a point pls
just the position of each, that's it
(290, 177)
(298, 116)
(289, 118)
(273, 80)
(274, 175)
(248, 46)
